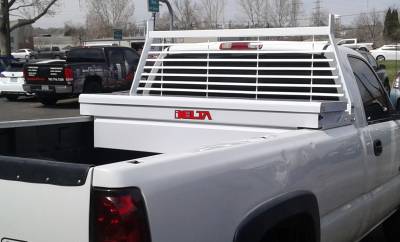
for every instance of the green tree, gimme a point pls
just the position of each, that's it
(396, 26)
(391, 30)
(386, 28)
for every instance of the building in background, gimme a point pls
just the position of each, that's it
(21, 38)
(48, 41)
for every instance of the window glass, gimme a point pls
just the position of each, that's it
(85, 55)
(131, 57)
(376, 103)
(372, 61)
(389, 48)
(115, 56)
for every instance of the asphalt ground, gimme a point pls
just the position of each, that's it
(28, 108)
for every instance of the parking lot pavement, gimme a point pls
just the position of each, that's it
(28, 108)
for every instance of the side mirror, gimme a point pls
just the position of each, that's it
(381, 67)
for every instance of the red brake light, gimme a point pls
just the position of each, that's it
(68, 74)
(119, 216)
(240, 46)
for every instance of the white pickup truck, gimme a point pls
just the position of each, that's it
(354, 44)
(217, 141)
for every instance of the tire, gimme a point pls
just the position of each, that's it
(92, 87)
(48, 100)
(295, 230)
(380, 58)
(386, 84)
(12, 97)
(364, 49)
(391, 228)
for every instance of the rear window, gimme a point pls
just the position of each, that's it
(85, 55)
(15, 67)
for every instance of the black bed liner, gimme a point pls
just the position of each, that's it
(58, 153)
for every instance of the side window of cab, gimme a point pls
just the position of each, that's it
(377, 106)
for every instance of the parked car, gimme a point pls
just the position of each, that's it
(53, 52)
(5, 61)
(354, 44)
(387, 52)
(23, 54)
(395, 92)
(86, 70)
(11, 82)
(218, 142)
(380, 69)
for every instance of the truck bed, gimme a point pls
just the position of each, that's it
(68, 140)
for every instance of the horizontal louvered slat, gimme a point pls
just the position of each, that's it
(239, 60)
(241, 92)
(243, 68)
(175, 52)
(239, 76)
(241, 84)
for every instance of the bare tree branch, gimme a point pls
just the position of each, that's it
(11, 2)
(104, 15)
(213, 12)
(255, 11)
(186, 12)
(22, 6)
(34, 19)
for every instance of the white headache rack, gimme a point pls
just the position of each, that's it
(243, 64)
(204, 87)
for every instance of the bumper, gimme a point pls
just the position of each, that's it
(50, 89)
(394, 95)
(12, 88)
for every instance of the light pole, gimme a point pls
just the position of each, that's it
(171, 13)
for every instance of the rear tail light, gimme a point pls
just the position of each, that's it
(68, 74)
(240, 46)
(119, 215)
(396, 83)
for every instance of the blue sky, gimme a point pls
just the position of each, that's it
(74, 10)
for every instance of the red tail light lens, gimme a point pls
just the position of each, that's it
(240, 46)
(119, 216)
(68, 74)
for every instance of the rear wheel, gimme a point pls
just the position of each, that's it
(380, 58)
(11, 97)
(386, 84)
(47, 100)
(92, 87)
(363, 49)
(297, 229)
(391, 228)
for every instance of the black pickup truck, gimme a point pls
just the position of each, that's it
(86, 70)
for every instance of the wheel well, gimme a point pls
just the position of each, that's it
(93, 78)
(290, 211)
(377, 58)
(298, 228)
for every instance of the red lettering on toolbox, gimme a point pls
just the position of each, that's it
(192, 115)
